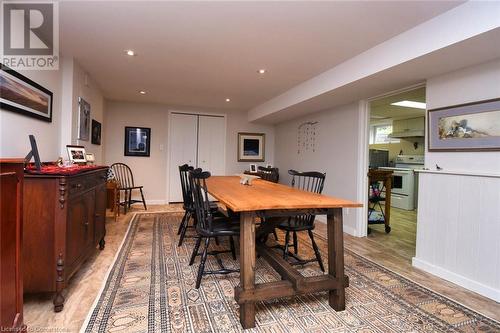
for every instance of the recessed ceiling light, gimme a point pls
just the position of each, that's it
(130, 52)
(228, 100)
(411, 104)
(142, 92)
(261, 71)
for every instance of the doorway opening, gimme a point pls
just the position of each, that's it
(396, 150)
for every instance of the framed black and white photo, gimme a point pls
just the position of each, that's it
(466, 127)
(253, 167)
(76, 154)
(96, 132)
(251, 147)
(83, 119)
(137, 141)
(22, 95)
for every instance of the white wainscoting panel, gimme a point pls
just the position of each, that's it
(458, 230)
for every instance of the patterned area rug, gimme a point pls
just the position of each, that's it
(150, 288)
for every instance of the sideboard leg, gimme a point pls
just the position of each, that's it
(59, 298)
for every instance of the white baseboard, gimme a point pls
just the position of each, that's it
(462, 281)
(347, 229)
(156, 202)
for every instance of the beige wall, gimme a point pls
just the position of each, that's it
(152, 172)
(337, 145)
(85, 87)
(15, 127)
(66, 84)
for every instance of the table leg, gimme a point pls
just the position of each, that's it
(336, 257)
(247, 266)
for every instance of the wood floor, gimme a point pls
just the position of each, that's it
(393, 251)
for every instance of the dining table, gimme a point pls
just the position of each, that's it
(263, 201)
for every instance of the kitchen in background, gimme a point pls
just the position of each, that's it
(397, 144)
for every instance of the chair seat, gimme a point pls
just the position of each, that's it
(222, 226)
(295, 225)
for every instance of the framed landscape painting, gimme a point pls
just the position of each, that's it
(20, 94)
(137, 141)
(466, 127)
(251, 147)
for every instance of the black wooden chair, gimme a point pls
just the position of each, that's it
(311, 181)
(209, 226)
(269, 174)
(125, 180)
(188, 204)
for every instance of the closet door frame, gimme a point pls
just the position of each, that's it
(169, 142)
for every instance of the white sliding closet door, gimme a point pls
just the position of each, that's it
(211, 144)
(183, 150)
(197, 140)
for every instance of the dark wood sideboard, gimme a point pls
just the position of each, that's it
(64, 221)
(11, 228)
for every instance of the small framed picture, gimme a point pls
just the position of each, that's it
(76, 154)
(96, 132)
(90, 158)
(253, 167)
(251, 147)
(269, 166)
(137, 141)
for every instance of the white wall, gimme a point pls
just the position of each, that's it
(467, 85)
(66, 85)
(459, 215)
(152, 172)
(85, 87)
(336, 154)
(15, 127)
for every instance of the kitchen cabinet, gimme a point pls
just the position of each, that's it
(411, 124)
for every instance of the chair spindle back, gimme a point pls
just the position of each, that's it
(187, 195)
(197, 178)
(311, 181)
(123, 175)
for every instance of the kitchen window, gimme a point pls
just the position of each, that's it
(380, 134)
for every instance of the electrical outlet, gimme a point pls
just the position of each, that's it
(162, 147)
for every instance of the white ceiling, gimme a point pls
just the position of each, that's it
(200, 53)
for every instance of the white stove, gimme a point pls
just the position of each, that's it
(404, 183)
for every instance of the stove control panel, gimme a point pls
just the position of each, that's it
(410, 159)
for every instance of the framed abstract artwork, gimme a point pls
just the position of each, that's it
(137, 141)
(83, 119)
(251, 147)
(20, 94)
(465, 127)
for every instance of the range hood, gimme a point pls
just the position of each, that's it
(408, 134)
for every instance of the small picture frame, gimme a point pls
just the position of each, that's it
(251, 147)
(269, 166)
(253, 167)
(76, 154)
(137, 141)
(90, 158)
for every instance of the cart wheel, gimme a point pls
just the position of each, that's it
(387, 229)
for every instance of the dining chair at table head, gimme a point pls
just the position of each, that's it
(311, 181)
(269, 174)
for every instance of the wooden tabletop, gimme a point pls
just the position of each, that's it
(264, 195)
